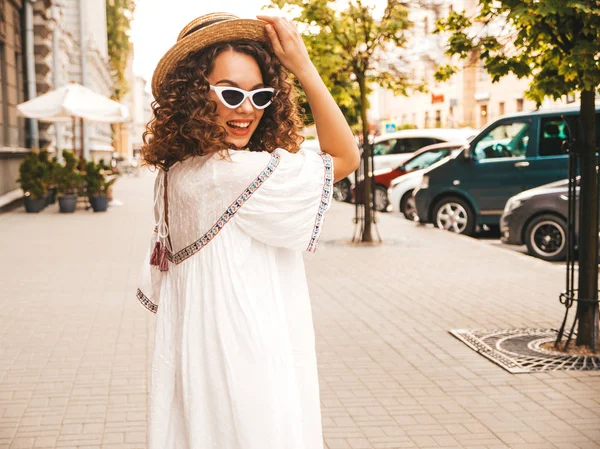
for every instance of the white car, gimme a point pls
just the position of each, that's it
(400, 193)
(391, 150)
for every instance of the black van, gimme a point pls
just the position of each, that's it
(512, 154)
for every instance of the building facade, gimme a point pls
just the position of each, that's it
(468, 99)
(65, 41)
(12, 92)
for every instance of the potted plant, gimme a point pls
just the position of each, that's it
(69, 181)
(32, 175)
(97, 186)
(51, 178)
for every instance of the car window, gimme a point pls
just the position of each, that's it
(505, 140)
(384, 147)
(413, 144)
(553, 132)
(426, 159)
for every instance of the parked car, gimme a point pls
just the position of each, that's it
(513, 154)
(401, 189)
(392, 149)
(423, 158)
(538, 218)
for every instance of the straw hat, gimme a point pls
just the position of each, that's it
(202, 32)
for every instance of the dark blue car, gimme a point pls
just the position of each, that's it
(513, 154)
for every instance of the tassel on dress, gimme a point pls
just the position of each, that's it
(159, 256)
(164, 261)
(155, 257)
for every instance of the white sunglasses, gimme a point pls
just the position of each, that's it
(232, 97)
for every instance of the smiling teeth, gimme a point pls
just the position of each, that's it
(238, 125)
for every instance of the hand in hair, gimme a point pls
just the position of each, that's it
(287, 44)
(335, 136)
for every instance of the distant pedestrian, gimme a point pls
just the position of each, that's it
(235, 203)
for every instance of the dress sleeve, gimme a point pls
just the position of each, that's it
(149, 280)
(150, 277)
(287, 209)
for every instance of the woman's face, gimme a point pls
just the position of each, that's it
(237, 70)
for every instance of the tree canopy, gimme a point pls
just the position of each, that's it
(352, 50)
(119, 14)
(351, 43)
(555, 42)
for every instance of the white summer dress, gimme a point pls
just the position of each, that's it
(234, 364)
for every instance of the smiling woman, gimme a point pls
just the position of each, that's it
(192, 114)
(235, 203)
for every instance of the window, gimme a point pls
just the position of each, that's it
(519, 105)
(501, 108)
(426, 123)
(505, 140)
(426, 159)
(384, 147)
(554, 131)
(483, 110)
(20, 132)
(4, 99)
(438, 119)
(412, 144)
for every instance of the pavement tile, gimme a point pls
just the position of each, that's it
(75, 375)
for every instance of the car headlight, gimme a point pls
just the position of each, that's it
(424, 183)
(513, 203)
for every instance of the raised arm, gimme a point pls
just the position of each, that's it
(333, 131)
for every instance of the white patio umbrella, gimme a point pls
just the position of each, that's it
(74, 101)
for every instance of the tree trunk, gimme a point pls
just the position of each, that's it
(366, 158)
(587, 307)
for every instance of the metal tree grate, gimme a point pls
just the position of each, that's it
(519, 350)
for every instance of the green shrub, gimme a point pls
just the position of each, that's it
(69, 179)
(96, 183)
(33, 176)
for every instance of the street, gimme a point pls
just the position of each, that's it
(76, 344)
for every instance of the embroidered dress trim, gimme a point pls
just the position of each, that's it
(145, 301)
(324, 204)
(192, 249)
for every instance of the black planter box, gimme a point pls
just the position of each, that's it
(67, 203)
(34, 206)
(99, 203)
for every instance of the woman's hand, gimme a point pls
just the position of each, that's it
(288, 45)
(335, 136)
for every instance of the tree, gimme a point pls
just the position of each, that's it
(119, 14)
(555, 43)
(353, 49)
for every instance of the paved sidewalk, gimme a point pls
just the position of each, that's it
(75, 344)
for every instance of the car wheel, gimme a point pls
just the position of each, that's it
(380, 199)
(454, 215)
(341, 190)
(546, 237)
(408, 207)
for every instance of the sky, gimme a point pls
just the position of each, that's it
(157, 23)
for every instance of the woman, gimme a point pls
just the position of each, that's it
(236, 202)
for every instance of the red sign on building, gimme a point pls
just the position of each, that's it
(437, 98)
